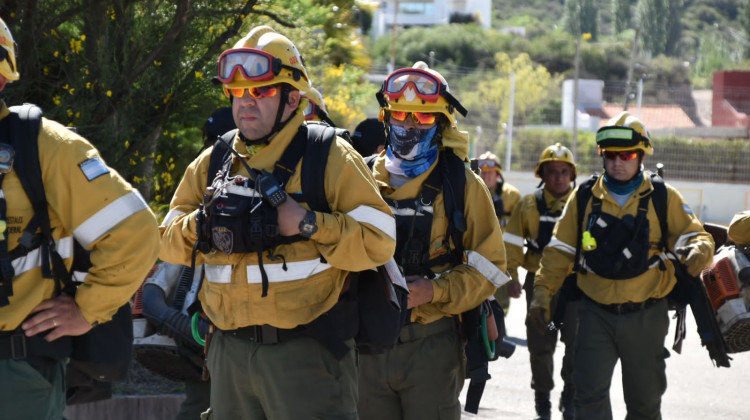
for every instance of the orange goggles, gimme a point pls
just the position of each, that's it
(255, 92)
(487, 164)
(417, 117)
(623, 155)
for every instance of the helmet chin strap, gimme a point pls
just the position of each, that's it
(278, 125)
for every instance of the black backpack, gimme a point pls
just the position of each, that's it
(380, 305)
(102, 355)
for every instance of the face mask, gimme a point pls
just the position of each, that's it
(410, 144)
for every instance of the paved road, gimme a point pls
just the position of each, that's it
(696, 389)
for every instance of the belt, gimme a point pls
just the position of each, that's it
(14, 345)
(627, 307)
(267, 334)
(416, 331)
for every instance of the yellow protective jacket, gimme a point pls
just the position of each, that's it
(359, 234)
(739, 228)
(524, 225)
(461, 288)
(510, 196)
(684, 228)
(92, 203)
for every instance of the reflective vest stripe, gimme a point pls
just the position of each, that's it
(382, 221)
(410, 212)
(297, 270)
(33, 259)
(561, 246)
(548, 219)
(486, 268)
(171, 215)
(108, 217)
(684, 240)
(512, 239)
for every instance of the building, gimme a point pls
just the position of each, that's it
(429, 13)
(731, 99)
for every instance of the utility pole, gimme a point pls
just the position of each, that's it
(509, 144)
(574, 146)
(393, 37)
(633, 50)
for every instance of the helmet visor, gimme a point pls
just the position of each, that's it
(255, 65)
(427, 86)
(621, 137)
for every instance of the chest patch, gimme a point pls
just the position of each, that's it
(93, 168)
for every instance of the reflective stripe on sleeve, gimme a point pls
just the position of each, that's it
(486, 268)
(108, 217)
(512, 239)
(410, 212)
(33, 259)
(171, 215)
(561, 246)
(382, 221)
(684, 240)
(550, 219)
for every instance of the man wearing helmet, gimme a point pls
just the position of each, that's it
(316, 107)
(280, 348)
(87, 202)
(531, 226)
(451, 264)
(625, 273)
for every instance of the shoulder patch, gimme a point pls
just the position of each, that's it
(93, 168)
(687, 208)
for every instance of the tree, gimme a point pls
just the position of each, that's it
(581, 16)
(134, 76)
(652, 16)
(621, 15)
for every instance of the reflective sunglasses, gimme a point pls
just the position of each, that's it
(311, 110)
(255, 92)
(487, 163)
(427, 86)
(417, 117)
(255, 65)
(624, 155)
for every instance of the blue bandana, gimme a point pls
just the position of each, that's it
(410, 152)
(623, 187)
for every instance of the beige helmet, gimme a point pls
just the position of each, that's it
(488, 161)
(8, 67)
(315, 105)
(262, 57)
(418, 89)
(624, 132)
(555, 153)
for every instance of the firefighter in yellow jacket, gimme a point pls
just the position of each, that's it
(625, 274)
(505, 197)
(530, 226)
(422, 376)
(90, 203)
(281, 348)
(739, 228)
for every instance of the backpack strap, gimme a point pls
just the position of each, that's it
(319, 140)
(659, 198)
(220, 154)
(541, 203)
(454, 187)
(583, 195)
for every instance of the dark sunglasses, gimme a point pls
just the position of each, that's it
(624, 155)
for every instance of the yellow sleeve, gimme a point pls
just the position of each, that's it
(515, 234)
(684, 226)
(105, 214)
(465, 286)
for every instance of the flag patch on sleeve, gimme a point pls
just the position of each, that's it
(93, 168)
(687, 208)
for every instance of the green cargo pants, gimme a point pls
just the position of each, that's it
(419, 379)
(292, 380)
(32, 391)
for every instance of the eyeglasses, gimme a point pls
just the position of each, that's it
(427, 86)
(255, 92)
(255, 65)
(624, 155)
(417, 117)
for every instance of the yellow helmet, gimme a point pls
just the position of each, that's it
(8, 67)
(488, 162)
(555, 153)
(315, 104)
(418, 89)
(624, 132)
(262, 57)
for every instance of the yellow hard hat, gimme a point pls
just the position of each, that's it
(418, 89)
(555, 153)
(262, 57)
(488, 161)
(8, 67)
(624, 132)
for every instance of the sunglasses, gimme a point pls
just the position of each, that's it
(624, 155)
(487, 163)
(417, 117)
(255, 92)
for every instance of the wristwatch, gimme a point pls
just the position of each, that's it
(308, 225)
